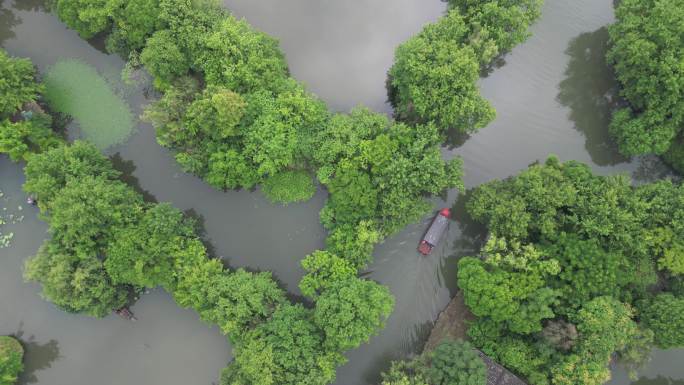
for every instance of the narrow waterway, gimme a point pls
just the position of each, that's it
(553, 95)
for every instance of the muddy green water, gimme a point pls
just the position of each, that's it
(553, 95)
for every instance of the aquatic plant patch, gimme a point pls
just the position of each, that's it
(7, 218)
(75, 88)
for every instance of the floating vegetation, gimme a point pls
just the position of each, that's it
(76, 89)
(5, 219)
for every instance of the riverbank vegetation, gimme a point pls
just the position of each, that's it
(435, 74)
(106, 244)
(578, 269)
(11, 360)
(646, 47)
(77, 90)
(234, 117)
(450, 363)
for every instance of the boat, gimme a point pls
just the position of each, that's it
(435, 232)
(125, 313)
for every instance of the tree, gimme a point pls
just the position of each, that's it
(87, 17)
(350, 311)
(646, 46)
(434, 79)
(240, 301)
(509, 286)
(236, 56)
(164, 59)
(405, 373)
(11, 356)
(497, 26)
(89, 211)
(145, 253)
(21, 139)
(588, 270)
(287, 350)
(18, 84)
(665, 316)
(323, 269)
(134, 22)
(456, 363)
(75, 283)
(49, 172)
(605, 326)
(354, 243)
(215, 114)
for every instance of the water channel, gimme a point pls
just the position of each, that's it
(553, 95)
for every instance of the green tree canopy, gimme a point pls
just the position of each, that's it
(145, 253)
(75, 283)
(18, 84)
(456, 363)
(350, 311)
(287, 350)
(11, 357)
(21, 139)
(49, 172)
(434, 79)
(87, 17)
(647, 43)
(665, 316)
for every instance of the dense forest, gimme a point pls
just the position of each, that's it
(577, 269)
(646, 51)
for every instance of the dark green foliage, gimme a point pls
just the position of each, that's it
(17, 84)
(234, 117)
(350, 311)
(286, 350)
(135, 21)
(163, 58)
(588, 270)
(88, 211)
(434, 79)
(84, 216)
(354, 243)
(77, 283)
(450, 363)
(241, 300)
(237, 56)
(26, 137)
(606, 238)
(497, 26)
(405, 373)
(48, 173)
(435, 74)
(380, 171)
(665, 316)
(456, 363)
(87, 17)
(323, 270)
(144, 254)
(509, 285)
(11, 360)
(647, 43)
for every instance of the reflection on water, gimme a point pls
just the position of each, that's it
(590, 91)
(8, 20)
(651, 168)
(37, 356)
